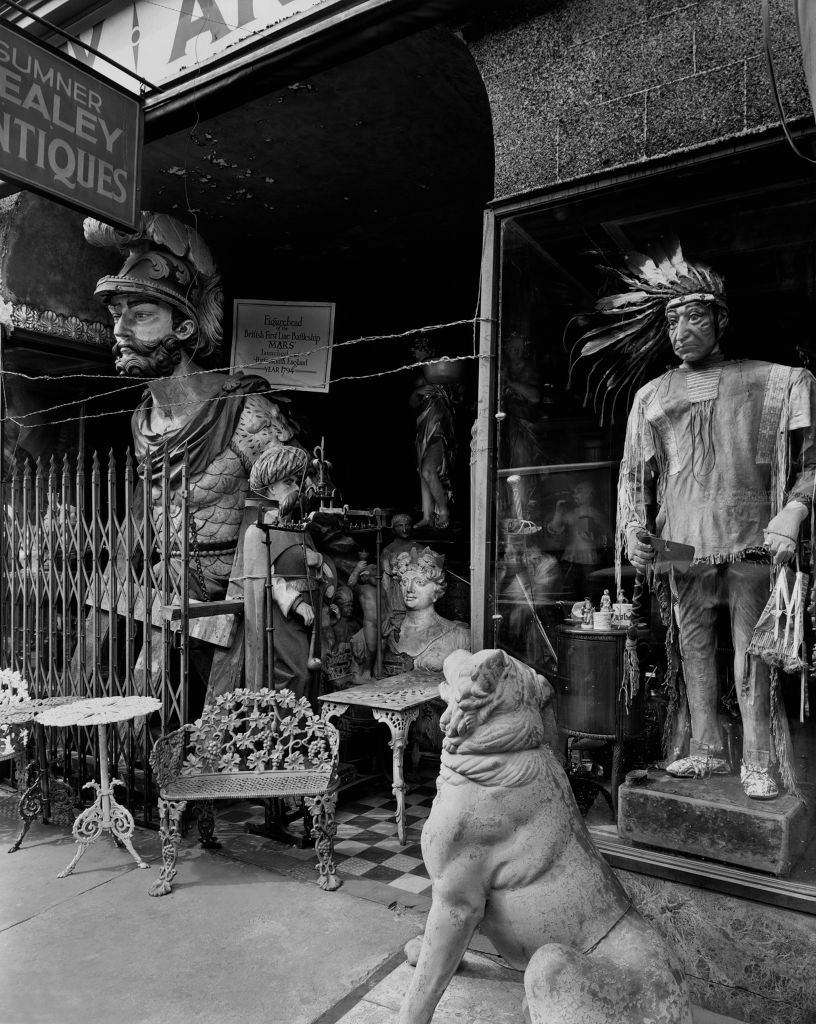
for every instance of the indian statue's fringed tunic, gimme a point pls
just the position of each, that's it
(711, 447)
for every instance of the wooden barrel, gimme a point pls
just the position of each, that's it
(590, 668)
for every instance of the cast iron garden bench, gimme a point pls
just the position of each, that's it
(248, 744)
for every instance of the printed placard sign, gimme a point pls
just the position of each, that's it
(289, 343)
(67, 132)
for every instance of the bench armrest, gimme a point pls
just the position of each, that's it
(167, 757)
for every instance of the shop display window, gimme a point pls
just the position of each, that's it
(560, 422)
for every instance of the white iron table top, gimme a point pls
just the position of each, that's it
(396, 693)
(100, 711)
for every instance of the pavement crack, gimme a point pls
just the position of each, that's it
(67, 899)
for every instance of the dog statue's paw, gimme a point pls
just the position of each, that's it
(412, 950)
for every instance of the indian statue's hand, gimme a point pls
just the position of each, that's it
(639, 553)
(782, 532)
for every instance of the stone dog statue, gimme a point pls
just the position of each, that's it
(507, 850)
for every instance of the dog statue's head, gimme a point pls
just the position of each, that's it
(496, 704)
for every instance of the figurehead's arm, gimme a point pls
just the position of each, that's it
(263, 425)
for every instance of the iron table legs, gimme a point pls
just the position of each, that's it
(104, 815)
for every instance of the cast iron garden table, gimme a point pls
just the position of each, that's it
(397, 702)
(104, 814)
(36, 785)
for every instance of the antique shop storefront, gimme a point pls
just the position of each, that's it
(334, 154)
(467, 183)
(337, 155)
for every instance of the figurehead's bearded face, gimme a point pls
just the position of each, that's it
(150, 336)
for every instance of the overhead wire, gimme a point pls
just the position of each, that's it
(198, 402)
(363, 339)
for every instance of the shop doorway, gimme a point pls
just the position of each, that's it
(363, 185)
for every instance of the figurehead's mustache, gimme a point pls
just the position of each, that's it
(136, 358)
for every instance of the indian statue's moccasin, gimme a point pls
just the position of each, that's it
(698, 766)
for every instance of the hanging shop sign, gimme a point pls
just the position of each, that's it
(67, 132)
(161, 41)
(289, 343)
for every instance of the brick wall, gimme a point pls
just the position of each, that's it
(582, 86)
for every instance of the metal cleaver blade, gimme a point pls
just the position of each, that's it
(670, 554)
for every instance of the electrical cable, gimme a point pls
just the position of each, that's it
(223, 398)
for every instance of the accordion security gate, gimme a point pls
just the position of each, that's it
(90, 558)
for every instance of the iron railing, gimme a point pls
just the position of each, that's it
(90, 558)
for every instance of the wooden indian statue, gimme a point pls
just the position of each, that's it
(720, 454)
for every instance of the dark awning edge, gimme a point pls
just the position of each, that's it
(323, 37)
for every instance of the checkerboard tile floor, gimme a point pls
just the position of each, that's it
(366, 845)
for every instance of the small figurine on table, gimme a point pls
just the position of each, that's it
(587, 612)
(606, 602)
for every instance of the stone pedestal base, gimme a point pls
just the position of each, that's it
(713, 818)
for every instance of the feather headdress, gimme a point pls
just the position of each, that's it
(628, 331)
(171, 261)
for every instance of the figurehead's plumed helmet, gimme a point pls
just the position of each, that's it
(628, 331)
(169, 261)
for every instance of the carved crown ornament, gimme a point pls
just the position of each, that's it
(46, 321)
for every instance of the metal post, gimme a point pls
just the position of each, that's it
(104, 777)
(270, 624)
(5, 578)
(184, 585)
(378, 660)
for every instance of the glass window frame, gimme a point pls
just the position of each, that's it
(764, 162)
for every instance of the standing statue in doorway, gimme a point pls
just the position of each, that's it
(167, 307)
(436, 392)
(720, 455)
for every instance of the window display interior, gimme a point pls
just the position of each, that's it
(584, 326)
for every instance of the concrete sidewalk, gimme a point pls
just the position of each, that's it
(233, 942)
(245, 936)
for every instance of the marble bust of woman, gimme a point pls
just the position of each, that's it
(424, 638)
